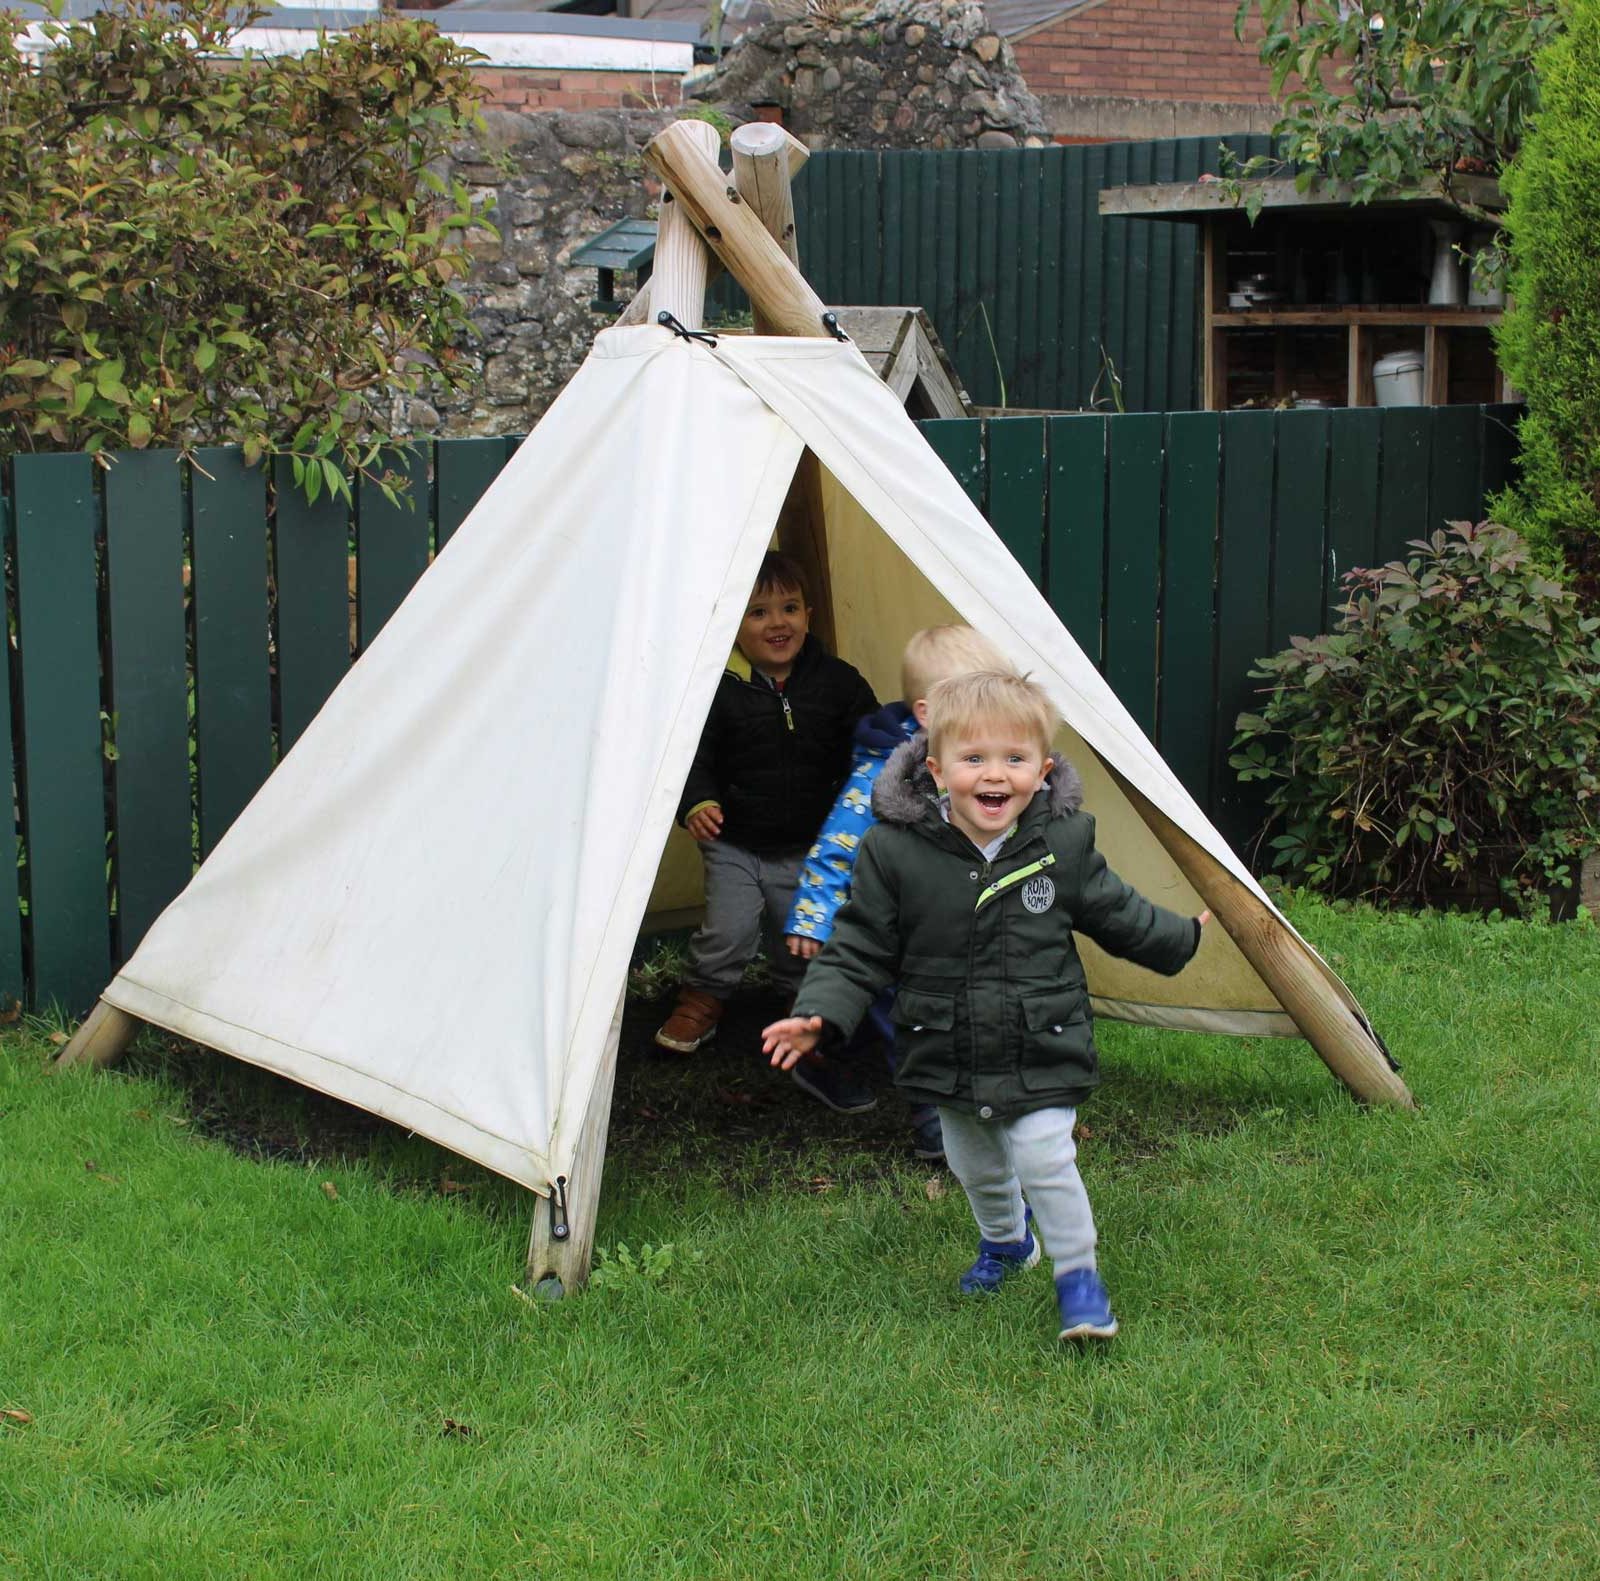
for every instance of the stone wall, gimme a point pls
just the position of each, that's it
(549, 182)
(890, 75)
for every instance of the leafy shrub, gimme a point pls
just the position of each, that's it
(1386, 96)
(205, 251)
(1444, 738)
(1550, 339)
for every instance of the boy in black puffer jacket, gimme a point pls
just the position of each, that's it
(774, 752)
(966, 893)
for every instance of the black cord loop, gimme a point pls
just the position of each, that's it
(666, 318)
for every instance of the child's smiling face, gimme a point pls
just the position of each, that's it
(774, 626)
(990, 773)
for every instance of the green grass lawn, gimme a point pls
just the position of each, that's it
(1354, 1344)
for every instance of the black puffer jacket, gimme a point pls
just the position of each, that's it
(992, 1012)
(774, 760)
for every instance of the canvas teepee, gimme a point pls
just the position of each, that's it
(429, 909)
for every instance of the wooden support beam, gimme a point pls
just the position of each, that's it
(1326, 1018)
(762, 171)
(761, 145)
(682, 264)
(777, 290)
(558, 1265)
(102, 1039)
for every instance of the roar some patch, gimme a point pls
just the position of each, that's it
(1038, 894)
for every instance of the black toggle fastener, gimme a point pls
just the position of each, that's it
(559, 1228)
(830, 322)
(683, 333)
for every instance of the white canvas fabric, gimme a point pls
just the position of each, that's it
(429, 908)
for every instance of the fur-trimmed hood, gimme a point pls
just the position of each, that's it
(905, 789)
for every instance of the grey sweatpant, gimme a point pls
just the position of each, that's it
(742, 889)
(1000, 1161)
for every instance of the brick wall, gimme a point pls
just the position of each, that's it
(526, 89)
(1146, 49)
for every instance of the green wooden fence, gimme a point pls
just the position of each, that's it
(1035, 296)
(178, 625)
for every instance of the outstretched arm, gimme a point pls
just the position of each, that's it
(1123, 923)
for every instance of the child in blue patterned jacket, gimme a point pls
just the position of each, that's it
(934, 654)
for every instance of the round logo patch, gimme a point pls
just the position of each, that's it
(1038, 894)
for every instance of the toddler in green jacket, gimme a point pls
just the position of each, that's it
(966, 893)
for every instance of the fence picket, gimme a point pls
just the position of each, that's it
(1016, 489)
(391, 542)
(63, 763)
(1133, 565)
(463, 470)
(1188, 599)
(149, 688)
(233, 698)
(1244, 595)
(1299, 527)
(1353, 440)
(13, 967)
(313, 582)
(1076, 538)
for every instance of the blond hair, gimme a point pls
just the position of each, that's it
(1000, 698)
(936, 653)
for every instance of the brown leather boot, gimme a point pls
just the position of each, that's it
(693, 1021)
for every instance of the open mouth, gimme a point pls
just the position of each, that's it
(779, 642)
(993, 801)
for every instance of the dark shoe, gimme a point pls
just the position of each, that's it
(1085, 1306)
(998, 1260)
(692, 1023)
(835, 1085)
(927, 1136)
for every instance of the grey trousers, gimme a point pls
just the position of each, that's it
(998, 1161)
(743, 889)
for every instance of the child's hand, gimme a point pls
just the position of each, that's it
(805, 948)
(1205, 917)
(706, 823)
(790, 1040)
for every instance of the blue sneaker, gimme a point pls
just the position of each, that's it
(998, 1260)
(1085, 1306)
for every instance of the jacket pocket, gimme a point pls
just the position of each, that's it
(1058, 1050)
(925, 1040)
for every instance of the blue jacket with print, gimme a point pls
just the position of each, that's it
(825, 874)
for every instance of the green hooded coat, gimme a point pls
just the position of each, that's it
(992, 1013)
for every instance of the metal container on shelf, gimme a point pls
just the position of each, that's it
(1397, 379)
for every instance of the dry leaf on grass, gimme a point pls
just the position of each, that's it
(11, 1014)
(58, 1038)
(934, 1188)
(330, 1191)
(12, 1414)
(454, 1429)
(448, 1187)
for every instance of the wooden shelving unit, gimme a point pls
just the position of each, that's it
(1273, 354)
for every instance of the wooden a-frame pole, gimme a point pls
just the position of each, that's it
(1325, 1017)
